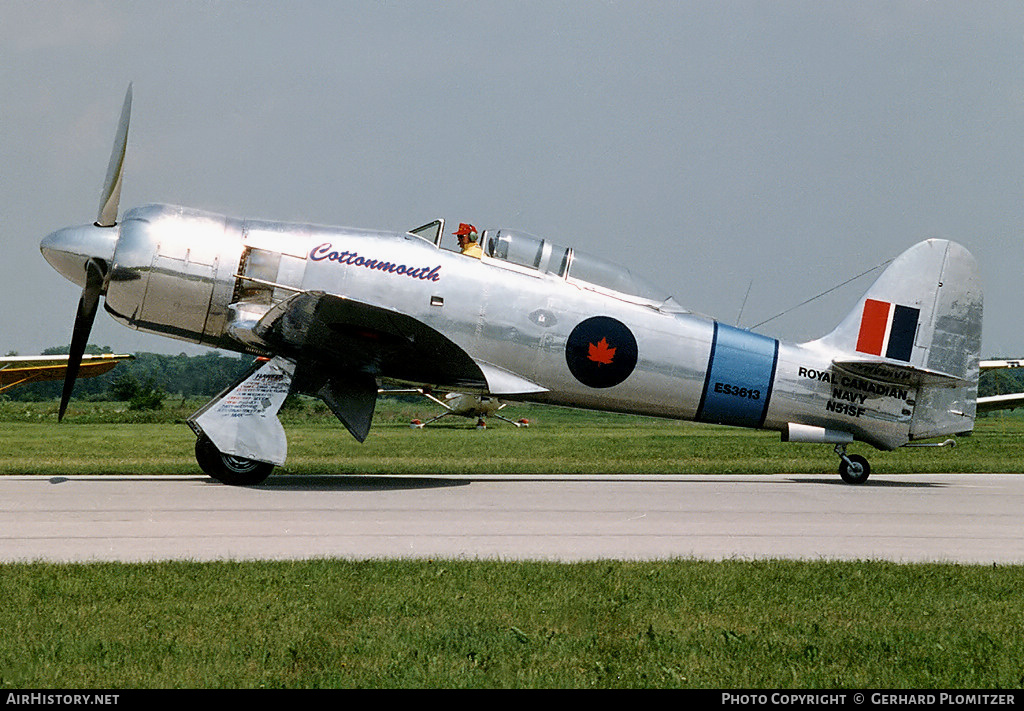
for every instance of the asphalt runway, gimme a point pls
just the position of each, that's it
(965, 518)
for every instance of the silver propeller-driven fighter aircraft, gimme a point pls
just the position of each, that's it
(336, 311)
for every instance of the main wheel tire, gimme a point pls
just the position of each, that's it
(856, 471)
(228, 469)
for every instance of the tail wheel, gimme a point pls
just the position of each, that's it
(228, 469)
(854, 469)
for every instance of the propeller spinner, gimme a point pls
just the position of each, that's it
(83, 254)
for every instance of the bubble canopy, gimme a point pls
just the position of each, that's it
(526, 250)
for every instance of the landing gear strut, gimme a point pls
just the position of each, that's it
(227, 469)
(854, 469)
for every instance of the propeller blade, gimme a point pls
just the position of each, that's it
(111, 195)
(87, 306)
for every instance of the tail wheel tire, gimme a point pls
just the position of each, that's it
(228, 469)
(854, 469)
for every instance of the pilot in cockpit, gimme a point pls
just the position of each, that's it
(469, 240)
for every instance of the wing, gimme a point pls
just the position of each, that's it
(342, 347)
(992, 403)
(996, 364)
(20, 370)
(337, 333)
(353, 336)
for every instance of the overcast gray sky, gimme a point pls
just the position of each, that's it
(709, 146)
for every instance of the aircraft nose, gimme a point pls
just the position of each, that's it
(67, 250)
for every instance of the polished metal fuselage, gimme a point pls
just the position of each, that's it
(207, 279)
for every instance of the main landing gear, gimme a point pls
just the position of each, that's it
(853, 468)
(227, 469)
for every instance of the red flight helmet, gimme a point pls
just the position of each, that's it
(467, 231)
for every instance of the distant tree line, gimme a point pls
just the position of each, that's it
(148, 379)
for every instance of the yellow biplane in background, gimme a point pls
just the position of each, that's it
(22, 370)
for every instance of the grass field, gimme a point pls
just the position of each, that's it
(494, 624)
(102, 438)
(449, 624)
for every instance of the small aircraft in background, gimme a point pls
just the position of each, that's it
(1009, 401)
(22, 370)
(478, 407)
(337, 312)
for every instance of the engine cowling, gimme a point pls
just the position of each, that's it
(173, 272)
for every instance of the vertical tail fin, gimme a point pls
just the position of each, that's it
(920, 323)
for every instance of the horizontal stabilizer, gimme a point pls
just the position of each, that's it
(899, 373)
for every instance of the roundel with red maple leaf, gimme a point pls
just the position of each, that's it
(601, 352)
